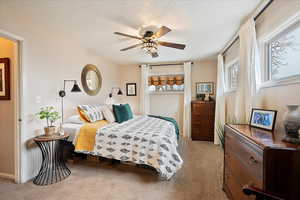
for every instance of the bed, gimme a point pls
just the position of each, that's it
(141, 140)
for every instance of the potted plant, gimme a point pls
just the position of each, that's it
(51, 116)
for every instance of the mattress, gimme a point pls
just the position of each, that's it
(141, 140)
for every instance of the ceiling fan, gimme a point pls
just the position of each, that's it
(149, 41)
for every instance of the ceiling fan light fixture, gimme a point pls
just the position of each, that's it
(143, 29)
(150, 47)
(149, 40)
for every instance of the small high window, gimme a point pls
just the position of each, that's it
(232, 75)
(166, 83)
(284, 54)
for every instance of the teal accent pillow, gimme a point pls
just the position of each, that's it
(128, 111)
(122, 113)
(117, 109)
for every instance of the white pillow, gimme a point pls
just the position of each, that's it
(75, 119)
(108, 114)
(92, 113)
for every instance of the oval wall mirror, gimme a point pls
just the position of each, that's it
(91, 79)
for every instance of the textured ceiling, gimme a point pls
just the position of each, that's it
(205, 26)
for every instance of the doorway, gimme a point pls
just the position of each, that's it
(10, 107)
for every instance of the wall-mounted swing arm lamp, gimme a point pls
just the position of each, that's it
(62, 94)
(115, 89)
(75, 88)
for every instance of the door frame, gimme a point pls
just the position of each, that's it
(18, 86)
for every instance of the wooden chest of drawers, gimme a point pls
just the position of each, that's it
(259, 158)
(203, 120)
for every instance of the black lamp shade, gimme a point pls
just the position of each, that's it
(75, 88)
(120, 92)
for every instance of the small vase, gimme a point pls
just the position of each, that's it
(206, 98)
(292, 121)
(61, 130)
(49, 130)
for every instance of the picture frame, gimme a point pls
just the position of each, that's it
(263, 119)
(205, 88)
(131, 89)
(4, 79)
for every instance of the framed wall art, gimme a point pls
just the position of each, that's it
(4, 79)
(205, 88)
(131, 89)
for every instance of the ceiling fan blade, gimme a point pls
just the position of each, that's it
(154, 54)
(162, 31)
(126, 35)
(131, 47)
(172, 45)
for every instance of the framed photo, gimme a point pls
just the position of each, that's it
(4, 79)
(205, 88)
(264, 119)
(131, 89)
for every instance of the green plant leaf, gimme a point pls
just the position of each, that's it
(49, 114)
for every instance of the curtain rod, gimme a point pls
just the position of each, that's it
(165, 64)
(255, 18)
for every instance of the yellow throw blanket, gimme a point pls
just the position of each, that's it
(85, 139)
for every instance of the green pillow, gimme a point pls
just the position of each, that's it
(117, 109)
(128, 110)
(122, 113)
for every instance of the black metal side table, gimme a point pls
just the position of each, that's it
(53, 167)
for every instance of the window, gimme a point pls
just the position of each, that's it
(166, 83)
(283, 54)
(232, 75)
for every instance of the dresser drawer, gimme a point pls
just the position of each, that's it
(233, 187)
(248, 154)
(203, 109)
(204, 122)
(242, 174)
(204, 134)
(198, 116)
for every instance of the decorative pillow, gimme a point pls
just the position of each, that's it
(128, 110)
(119, 115)
(122, 113)
(90, 113)
(75, 119)
(82, 116)
(108, 114)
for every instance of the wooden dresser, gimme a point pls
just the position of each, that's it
(256, 157)
(203, 120)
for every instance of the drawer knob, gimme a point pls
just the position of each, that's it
(252, 160)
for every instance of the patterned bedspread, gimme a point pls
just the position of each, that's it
(142, 140)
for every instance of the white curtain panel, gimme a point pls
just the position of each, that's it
(144, 92)
(250, 72)
(220, 99)
(187, 67)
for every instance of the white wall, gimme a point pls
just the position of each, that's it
(131, 74)
(171, 104)
(160, 104)
(50, 56)
(7, 122)
(204, 71)
(276, 97)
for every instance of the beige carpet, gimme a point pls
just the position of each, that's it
(199, 179)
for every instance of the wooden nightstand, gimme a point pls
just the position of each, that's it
(53, 168)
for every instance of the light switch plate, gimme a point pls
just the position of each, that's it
(38, 99)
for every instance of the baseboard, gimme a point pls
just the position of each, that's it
(7, 176)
